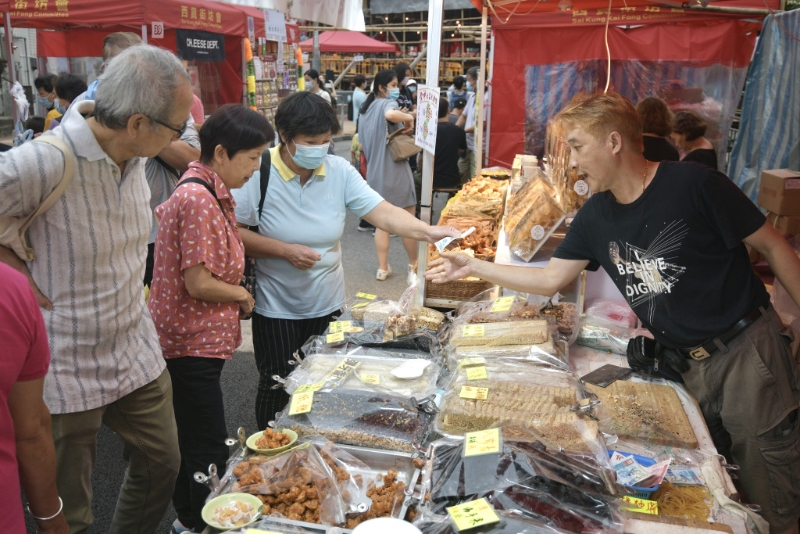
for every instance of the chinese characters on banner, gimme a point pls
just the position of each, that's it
(275, 25)
(427, 117)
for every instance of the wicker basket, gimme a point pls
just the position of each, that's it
(456, 290)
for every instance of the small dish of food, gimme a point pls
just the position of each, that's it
(233, 510)
(272, 441)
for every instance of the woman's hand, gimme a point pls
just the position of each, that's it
(301, 257)
(246, 302)
(451, 266)
(57, 525)
(435, 233)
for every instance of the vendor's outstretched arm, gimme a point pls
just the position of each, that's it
(781, 258)
(540, 281)
(400, 222)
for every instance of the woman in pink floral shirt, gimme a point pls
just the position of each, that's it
(196, 300)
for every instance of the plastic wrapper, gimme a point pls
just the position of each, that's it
(500, 334)
(418, 341)
(318, 482)
(546, 354)
(487, 307)
(599, 334)
(363, 418)
(404, 354)
(568, 492)
(614, 311)
(524, 400)
(367, 373)
(535, 228)
(482, 242)
(511, 522)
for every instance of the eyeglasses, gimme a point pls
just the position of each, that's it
(180, 131)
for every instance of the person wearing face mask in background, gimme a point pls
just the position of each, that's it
(299, 276)
(46, 94)
(314, 85)
(68, 87)
(467, 165)
(393, 180)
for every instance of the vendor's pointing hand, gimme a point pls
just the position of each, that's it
(450, 266)
(301, 257)
(435, 233)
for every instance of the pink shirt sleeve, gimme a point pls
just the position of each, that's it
(201, 230)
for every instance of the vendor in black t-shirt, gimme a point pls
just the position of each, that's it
(672, 236)
(451, 141)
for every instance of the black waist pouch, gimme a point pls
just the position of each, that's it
(651, 358)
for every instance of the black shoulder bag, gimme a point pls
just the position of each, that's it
(249, 278)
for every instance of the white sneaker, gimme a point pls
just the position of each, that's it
(383, 275)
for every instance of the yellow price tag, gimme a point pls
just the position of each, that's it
(367, 296)
(309, 387)
(339, 326)
(502, 304)
(482, 442)
(335, 338)
(474, 360)
(371, 379)
(259, 531)
(473, 330)
(473, 514)
(643, 506)
(469, 392)
(476, 373)
(301, 402)
(360, 305)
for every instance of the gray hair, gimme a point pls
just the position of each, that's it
(473, 73)
(141, 79)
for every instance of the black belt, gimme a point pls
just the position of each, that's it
(705, 350)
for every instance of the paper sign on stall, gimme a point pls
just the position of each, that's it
(472, 514)
(427, 117)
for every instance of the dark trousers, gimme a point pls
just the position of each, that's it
(200, 417)
(148, 266)
(274, 341)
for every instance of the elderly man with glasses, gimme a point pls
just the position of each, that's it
(106, 365)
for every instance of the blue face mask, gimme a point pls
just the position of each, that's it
(309, 156)
(412, 88)
(394, 94)
(43, 100)
(469, 86)
(57, 105)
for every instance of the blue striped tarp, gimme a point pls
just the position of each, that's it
(769, 135)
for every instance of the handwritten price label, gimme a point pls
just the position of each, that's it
(301, 403)
(476, 373)
(474, 360)
(335, 338)
(360, 305)
(473, 330)
(482, 442)
(469, 392)
(371, 379)
(309, 387)
(367, 296)
(259, 531)
(472, 514)
(339, 326)
(503, 304)
(643, 506)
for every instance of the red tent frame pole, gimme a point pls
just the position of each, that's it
(144, 33)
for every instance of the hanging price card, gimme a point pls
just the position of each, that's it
(476, 373)
(301, 402)
(502, 304)
(367, 296)
(643, 506)
(339, 326)
(469, 392)
(335, 338)
(371, 379)
(474, 360)
(472, 514)
(309, 387)
(360, 305)
(482, 442)
(473, 330)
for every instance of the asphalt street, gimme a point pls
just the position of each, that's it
(240, 377)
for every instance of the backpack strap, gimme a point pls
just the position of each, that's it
(69, 170)
(204, 184)
(266, 166)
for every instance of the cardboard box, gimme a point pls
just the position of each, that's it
(786, 225)
(780, 192)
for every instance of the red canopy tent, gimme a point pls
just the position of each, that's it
(76, 28)
(345, 41)
(545, 52)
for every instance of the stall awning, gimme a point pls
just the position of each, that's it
(508, 9)
(343, 42)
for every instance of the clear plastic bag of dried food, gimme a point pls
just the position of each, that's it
(614, 311)
(549, 402)
(563, 490)
(511, 522)
(529, 332)
(404, 354)
(600, 334)
(273, 524)
(355, 306)
(418, 341)
(546, 354)
(399, 376)
(364, 418)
